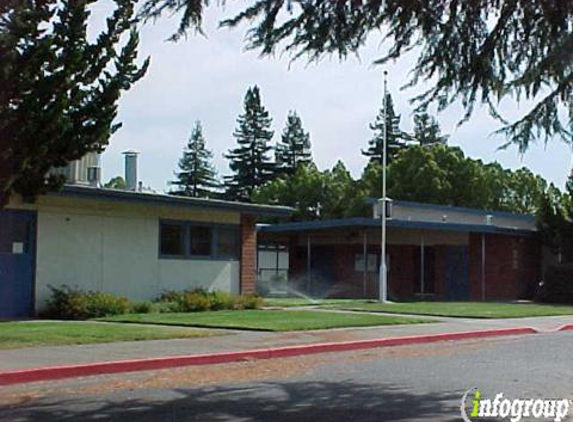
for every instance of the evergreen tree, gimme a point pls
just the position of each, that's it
(58, 90)
(471, 53)
(395, 138)
(196, 176)
(294, 148)
(250, 162)
(427, 130)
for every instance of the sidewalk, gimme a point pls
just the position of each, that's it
(249, 340)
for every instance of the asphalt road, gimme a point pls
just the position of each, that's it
(421, 383)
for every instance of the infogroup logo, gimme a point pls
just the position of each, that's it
(513, 410)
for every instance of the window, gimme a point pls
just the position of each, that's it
(228, 242)
(172, 239)
(200, 240)
(189, 240)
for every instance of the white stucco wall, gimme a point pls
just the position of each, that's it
(114, 248)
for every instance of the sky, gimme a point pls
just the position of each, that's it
(205, 78)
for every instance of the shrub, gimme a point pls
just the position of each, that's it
(143, 307)
(166, 307)
(220, 301)
(193, 301)
(72, 303)
(65, 302)
(199, 299)
(169, 296)
(248, 301)
(102, 304)
(557, 286)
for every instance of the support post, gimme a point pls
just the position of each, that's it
(422, 264)
(365, 266)
(383, 276)
(483, 267)
(308, 264)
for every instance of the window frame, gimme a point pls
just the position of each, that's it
(214, 236)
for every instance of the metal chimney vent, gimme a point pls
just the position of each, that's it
(131, 169)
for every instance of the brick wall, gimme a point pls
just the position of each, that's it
(248, 273)
(511, 266)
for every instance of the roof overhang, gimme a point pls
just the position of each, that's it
(363, 223)
(86, 192)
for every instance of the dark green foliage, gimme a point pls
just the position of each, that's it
(196, 176)
(71, 303)
(117, 182)
(440, 174)
(303, 190)
(58, 91)
(555, 222)
(250, 162)
(293, 149)
(395, 138)
(557, 284)
(315, 194)
(427, 130)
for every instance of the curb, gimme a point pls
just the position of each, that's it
(112, 367)
(566, 327)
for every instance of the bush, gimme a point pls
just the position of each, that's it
(193, 301)
(142, 307)
(557, 287)
(66, 302)
(72, 303)
(100, 304)
(248, 301)
(220, 300)
(169, 296)
(199, 299)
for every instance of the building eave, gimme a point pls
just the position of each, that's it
(362, 223)
(87, 192)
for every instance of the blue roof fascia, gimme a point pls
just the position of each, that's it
(171, 200)
(406, 224)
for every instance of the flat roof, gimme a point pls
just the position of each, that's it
(88, 192)
(362, 222)
(452, 208)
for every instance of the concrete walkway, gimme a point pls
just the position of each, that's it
(248, 340)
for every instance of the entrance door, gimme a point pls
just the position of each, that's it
(17, 250)
(457, 279)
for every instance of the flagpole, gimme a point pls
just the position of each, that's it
(383, 276)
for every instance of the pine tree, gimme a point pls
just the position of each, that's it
(59, 91)
(395, 137)
(427, 130)
(294, 148)
(250, 162)
(197, 176)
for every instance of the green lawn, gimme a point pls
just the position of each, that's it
(266, 320)
(287, 302)
(465, 309)
(15, 335)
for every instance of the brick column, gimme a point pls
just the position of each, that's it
(248, 273)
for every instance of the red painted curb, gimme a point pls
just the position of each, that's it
(567, 327)
(70, 371)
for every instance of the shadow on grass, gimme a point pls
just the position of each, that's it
(266, 401)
